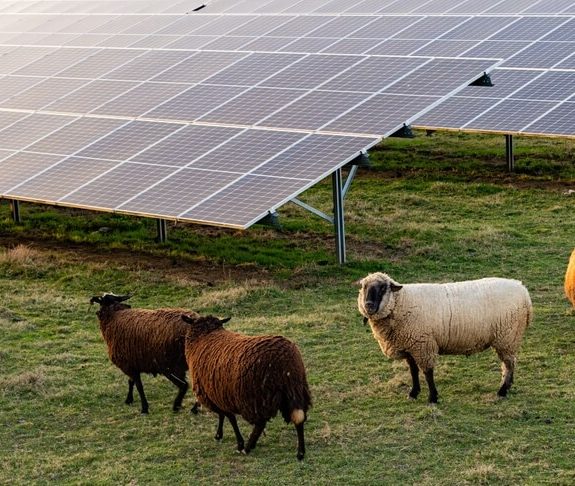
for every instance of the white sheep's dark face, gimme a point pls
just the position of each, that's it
(376, 297)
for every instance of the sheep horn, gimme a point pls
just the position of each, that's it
(188, 319)
(95, 300)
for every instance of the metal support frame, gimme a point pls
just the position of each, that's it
(162, 230)
(484, 80)
(340, 190)
(509, 153)
(15, 208)
(338, 216)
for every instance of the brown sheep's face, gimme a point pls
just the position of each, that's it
(200, 325)
(376, 297)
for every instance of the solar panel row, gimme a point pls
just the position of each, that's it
(522, 102)
(473, 7)
(288, 91)
(163, 169)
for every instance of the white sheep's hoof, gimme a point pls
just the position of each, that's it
(243, 452)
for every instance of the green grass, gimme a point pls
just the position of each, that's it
(430, 209)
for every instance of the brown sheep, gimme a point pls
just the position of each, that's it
(144, 341)
(252, 376)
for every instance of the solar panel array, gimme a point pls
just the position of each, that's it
(130, 113)
(224, 114)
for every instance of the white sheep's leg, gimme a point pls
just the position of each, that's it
(232, 418)
(300, 442)
(416, 388)
(431, 384)
(220, 431)
(507, 369)
(130, 397)
(180, 381)
(255, 435)
(140, 388)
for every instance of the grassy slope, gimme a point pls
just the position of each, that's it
(431, 209)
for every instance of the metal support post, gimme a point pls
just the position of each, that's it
(338, 218)
(15, 207)
(509, 153)
(162, 230)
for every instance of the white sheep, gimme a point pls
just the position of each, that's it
(416, 322)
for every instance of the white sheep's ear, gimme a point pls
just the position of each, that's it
(188, 319)
(358, 283)
(394, 286)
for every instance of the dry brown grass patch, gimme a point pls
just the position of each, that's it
(20, 254)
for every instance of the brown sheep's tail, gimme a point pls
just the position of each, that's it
(296, 402)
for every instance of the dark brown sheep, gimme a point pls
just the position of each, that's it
(252, 376)
(144, 341)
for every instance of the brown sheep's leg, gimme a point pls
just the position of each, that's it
(140, 388)
(416, 388)
(239, 438)
(431, 384)
(507, 369)
(220, 431)
(130, 397)
(195, 407)
(300, 442)
(182, 384)
(255, 435)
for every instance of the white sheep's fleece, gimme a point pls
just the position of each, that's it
(452, 318)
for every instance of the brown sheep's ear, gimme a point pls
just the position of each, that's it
(188, 319)
(223, 321)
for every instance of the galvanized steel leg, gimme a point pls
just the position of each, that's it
(338, 217)
(15, 207)
(162, 230)
(509, 153)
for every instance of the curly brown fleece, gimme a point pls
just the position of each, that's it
(146, 341)
(251, 376)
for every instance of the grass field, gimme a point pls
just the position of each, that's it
(431, 209)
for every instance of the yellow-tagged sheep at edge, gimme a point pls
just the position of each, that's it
(570, 279)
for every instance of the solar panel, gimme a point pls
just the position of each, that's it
(30, 129)
(76, 135)
(542, 55)
(21, 166)
(112, 188)
(61, 179)
(43, 93)
(128, 140)
(186, 145)
(90, 96)
(177, 193)
(558, 121)
(252, 106)
(314, 110)
(139, 100)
